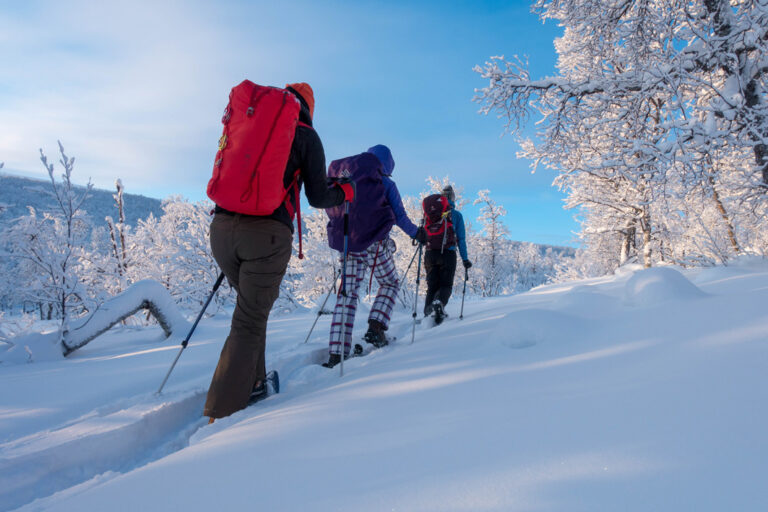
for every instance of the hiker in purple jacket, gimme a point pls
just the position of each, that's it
(370, 247)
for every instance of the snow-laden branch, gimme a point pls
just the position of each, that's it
(148, 294)
(145, 295)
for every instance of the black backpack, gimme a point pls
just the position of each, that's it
(438, 222)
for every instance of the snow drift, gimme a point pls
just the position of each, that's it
(635, 392)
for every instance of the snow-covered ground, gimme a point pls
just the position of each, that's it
(642, 391)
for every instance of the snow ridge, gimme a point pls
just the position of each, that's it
(120, 441)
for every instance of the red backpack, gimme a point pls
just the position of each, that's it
(259, 127)
(438, 222)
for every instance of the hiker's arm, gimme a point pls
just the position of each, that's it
(458, 227)
(313, 174)
(401, 218)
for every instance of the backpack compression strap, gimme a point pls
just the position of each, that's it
(296, 194)
(289, 206)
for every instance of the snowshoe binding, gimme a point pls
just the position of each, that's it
(333, 360)
(263, 388)
(438, 313)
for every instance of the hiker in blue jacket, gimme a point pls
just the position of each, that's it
(376, 209)
(440, 263)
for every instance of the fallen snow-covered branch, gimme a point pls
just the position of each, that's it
(148, 294)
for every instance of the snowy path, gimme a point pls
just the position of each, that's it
(131, 432)
(117, 441)
(634, 392)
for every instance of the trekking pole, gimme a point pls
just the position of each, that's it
(466, 276)
(320, 311)
(416, 295)
(189, 334)
(411, 263)
(405, 274)
(343, 290)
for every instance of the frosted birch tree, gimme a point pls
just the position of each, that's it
(48, 247)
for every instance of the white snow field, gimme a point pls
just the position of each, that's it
(644, 391)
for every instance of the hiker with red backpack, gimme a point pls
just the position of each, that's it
(268, 149)
(444, 225)
(378, 207)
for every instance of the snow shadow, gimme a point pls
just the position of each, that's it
(47, 462)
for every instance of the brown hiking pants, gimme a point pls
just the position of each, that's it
(253, 253)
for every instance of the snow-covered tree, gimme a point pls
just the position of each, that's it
(118, 232)
(317, 271)
(490, 263)
(48, 246)
(176, 252)
(652, 97)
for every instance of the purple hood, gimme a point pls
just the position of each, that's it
(384, 155)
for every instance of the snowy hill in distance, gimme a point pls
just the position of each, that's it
(17, 193)
(640, 391)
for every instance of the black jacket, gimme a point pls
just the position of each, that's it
(307, 154)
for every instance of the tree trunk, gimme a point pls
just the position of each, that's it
(724, 214)
(626, 243)
(645, 225)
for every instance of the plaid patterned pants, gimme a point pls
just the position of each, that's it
(378, 256)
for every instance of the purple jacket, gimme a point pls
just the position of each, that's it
(401, 218)
(384, 155)
(371, 217)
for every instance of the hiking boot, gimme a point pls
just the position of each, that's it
(259, 392)
(438, 312)
(375, 335)
(333, 360)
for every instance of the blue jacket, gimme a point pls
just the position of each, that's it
(458, 227)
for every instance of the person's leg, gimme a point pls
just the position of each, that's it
(432, 269)
(263, 248)
(447, 271)
(346, 307)
(385, 273)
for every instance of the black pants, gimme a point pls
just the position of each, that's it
(440, 268)
(253, 253)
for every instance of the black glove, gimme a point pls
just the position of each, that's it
(467, 263)
(421, 236)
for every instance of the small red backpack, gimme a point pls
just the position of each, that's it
(259, 127)
(438, 222)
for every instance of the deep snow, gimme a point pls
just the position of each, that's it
(641, 391)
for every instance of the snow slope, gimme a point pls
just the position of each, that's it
(642, 391)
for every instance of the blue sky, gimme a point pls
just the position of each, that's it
(135, 90)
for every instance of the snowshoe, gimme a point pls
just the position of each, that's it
(264, 388)
(438, 313)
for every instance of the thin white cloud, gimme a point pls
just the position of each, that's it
(129, 88)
